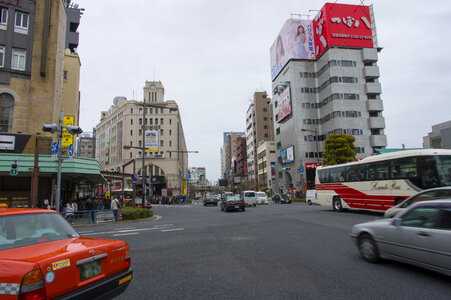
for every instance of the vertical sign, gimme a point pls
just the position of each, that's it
(152, 140)
(119, 141)
(67, 137)
(107, 146)
(97, 148)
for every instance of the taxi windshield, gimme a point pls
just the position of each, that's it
(27, 229)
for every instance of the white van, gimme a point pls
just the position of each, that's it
(262, 198)
(249, 197)
(310, 197)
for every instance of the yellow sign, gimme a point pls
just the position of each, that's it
(184, 188)
(67, 137)
(61, 264)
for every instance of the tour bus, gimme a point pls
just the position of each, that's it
(379, 182)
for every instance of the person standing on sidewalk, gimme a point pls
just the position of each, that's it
(115, 207)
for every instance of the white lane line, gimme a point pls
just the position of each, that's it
(175, 229)
(121, 234)
(122, 231)
(125, 228)
(81, 232)
(167, 225)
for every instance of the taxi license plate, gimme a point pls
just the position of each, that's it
(89, 270)
(237, 206)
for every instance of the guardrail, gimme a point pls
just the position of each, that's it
(92, 216)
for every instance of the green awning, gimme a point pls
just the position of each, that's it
(77, 168)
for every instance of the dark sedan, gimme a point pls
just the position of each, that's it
(233, 203)
(278, 198)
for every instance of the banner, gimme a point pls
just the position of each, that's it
(152, 140)
(67, 137)
(284, 105)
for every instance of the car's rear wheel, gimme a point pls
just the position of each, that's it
(368, 248)
(243, 209)
(309, 202)
(336, 204)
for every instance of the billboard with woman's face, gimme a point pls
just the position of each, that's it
(295, 40)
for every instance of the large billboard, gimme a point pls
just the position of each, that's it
(295, 40)
(287, 155)
(152, 140)
(342, 25)
(335, 25)
(284, 105)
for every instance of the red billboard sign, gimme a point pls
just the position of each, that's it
(342, 25)
(311, 165)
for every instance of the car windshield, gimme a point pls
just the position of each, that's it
(233, 198)
(249, 194)
(21, 230)
(261, 194)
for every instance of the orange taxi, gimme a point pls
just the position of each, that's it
(43, 257)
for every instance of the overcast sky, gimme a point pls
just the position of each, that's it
(211, 56)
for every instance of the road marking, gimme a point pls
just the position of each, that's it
(125, 228)
(167, 225)
(122, 231)
(175, 229)
(81, 232)
(121, 234)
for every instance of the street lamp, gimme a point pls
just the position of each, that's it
(52, 128)
(316, 140)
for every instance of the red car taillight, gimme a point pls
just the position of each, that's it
(32, 286)
(128, 260)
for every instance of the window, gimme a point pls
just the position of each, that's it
(131, 121)
(6, 112)
(21, 24)
(170, 131)
(378, 171)
(420, 217)
(3, 17)
(278, 131)
(161, 111)
(161, 132)
(265, 109)
(161, 121)
(65, 75)
(161, 143)
(156, 121)
(150, 110)
(265, 127)
(18, 60)
(279, 145)
(131, 132)
(2, 56)
(170, 144)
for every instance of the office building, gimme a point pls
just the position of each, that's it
(440, 137)
(325, 81)
(119, 139)
(259, 127)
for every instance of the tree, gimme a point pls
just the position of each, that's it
(339, 149)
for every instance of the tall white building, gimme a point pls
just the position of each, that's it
(334, 88)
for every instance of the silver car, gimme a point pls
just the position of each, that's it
(430, 194)
(420, 235)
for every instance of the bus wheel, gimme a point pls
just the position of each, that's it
(336, 204)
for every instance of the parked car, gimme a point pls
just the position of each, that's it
(281, 198)
(249, 197)
(262, 198)
(233, 202)
(310, 197)
(430, 194)
(211, 199)
(43, 257)
(420, 235)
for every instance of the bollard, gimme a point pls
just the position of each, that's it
(120, 215)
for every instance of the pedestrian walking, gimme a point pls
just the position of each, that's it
(69, 212)
(115, 205)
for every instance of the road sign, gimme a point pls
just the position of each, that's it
(71, 150)
(301, 170)
(135, 181)
(54, 148)
(188, 176)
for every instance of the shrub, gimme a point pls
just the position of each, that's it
(135, 213)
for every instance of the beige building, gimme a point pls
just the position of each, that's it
(119, 139)
(230, 153)
(266, 160)
(259, 127)
(31, 73)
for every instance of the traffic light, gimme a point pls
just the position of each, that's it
(286, 169)
(49, 128)
(14, 169)
(74, 129)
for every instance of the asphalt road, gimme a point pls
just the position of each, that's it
(268, 252)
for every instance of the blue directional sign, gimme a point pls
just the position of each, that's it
(54, 148)
(135, 181)
(71, 150)
(188, 176)
(301, 170)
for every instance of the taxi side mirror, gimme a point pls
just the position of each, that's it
(396, 222)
